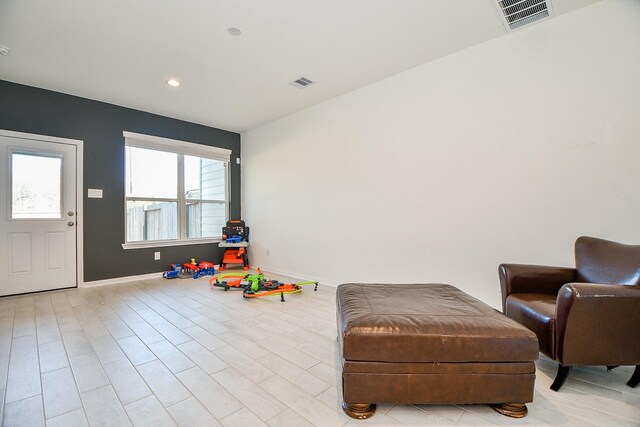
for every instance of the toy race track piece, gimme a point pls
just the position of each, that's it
(255, 285)
(236, 280)
(273, 287)
(226, 281)
(248, 293)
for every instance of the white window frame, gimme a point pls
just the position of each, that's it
(181, 148)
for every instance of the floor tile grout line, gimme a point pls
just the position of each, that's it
(196, 397)
(108, 379)
(114, 392)
(44, 412)
(235, 412)
(239, 399)
(622, 391)
(599, 410)
(64, 345)
(289, 406)
(6, 380)
(244, 406)
(102, 365)
(158, 360)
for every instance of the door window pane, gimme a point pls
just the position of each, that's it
(36, 186)
(151, 220)
(151, 174)
(205, 219)
(203, 178)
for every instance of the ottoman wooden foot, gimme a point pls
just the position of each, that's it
(359, 411)
(513, 410)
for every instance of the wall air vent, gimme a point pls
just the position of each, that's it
(519, 13)
(301, 83)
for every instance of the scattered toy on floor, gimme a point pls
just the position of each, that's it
(235, 241)
(273, 287)
(236, 279)
(206, 268)
(174, 272)
(255, 285)
(191, 269)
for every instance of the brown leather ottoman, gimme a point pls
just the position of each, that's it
(430, 343)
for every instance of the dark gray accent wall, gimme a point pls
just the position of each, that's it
(100, 126)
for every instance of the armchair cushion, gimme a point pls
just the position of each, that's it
(537, 312)
(604, 261)
(533, 279)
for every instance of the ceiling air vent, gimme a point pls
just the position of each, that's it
(301, 83)
(518, 13)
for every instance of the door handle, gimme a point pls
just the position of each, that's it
(71, 223)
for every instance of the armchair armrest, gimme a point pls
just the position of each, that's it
(536, 279)
(597, 324)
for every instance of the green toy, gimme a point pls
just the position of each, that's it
(237, 280)
(255, 285)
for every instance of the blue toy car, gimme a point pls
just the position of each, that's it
(234, 239)
(205, 272)
(173, 273)
(170, 274)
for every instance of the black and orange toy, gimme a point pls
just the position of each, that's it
(235, 241)
(255, 285)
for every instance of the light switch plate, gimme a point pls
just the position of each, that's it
(94, 193)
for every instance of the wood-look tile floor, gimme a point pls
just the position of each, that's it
(175, 352)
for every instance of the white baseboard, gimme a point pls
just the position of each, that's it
(300, 276)
(118, 280)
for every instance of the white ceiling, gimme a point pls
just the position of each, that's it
(123, 51)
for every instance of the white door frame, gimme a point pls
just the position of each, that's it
(79, 191)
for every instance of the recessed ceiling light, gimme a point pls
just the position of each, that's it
(173, 82)
(234, 31)
(4, 50)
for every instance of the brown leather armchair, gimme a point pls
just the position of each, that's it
(588, 315)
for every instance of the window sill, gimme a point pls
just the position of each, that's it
(165, 243)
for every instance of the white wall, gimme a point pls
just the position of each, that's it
(504, 152)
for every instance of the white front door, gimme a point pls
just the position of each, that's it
(38, 224)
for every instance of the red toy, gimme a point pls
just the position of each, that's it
(193, 266)
(199, 269)
(235, 256)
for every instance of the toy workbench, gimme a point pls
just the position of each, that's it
(235, 240)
